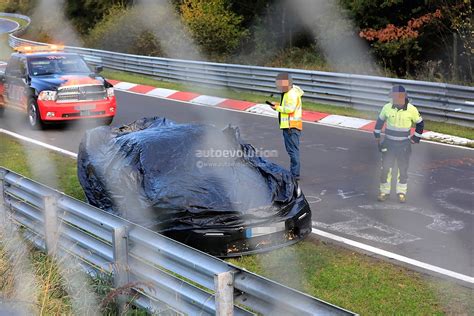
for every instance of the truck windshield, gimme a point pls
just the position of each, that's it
(56, 64)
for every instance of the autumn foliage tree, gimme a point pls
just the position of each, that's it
(432, 40)
(392, 41)
(425, 39)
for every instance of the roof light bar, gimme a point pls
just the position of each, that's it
(37, 49)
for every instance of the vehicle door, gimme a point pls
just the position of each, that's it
(16, 85)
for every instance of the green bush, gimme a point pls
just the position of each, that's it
(300, 58)
(17, 6)
(122, 30)
(214, 27)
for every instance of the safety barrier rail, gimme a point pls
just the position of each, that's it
(438, 101)
(176, 276)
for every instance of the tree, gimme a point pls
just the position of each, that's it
(392, 41)
(86, 13)
(441, 44)
(135, 37)
(214, 27)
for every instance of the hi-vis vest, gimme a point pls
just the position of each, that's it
(399, 121)
(291, 111)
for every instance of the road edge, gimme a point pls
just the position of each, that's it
(412, 264)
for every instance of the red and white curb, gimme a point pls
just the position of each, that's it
(266, 110)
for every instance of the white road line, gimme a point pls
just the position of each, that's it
(37, 142)
(396, 257)
(359, 245)
(305, 122)
(343, 240)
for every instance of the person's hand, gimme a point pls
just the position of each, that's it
(380, 146)
(271, 104)
(414, 139)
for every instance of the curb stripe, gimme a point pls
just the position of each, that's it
(264, 109)
(113, 82)
(124, 85)
(183, 96)
(236, 104)
(160, 92)
(313, 116)
(345, 121)
(369, 127)
(208, 100)
(142, 89)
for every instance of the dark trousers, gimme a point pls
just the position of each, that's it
(398, 152)
(292, 145)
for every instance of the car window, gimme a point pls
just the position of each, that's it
(56, 64)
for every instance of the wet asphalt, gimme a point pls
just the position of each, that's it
(340, 171)
(7, 25)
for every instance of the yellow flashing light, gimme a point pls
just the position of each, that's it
(39, 49)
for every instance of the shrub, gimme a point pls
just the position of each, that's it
(214, 27)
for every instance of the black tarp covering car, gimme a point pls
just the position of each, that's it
(195, 183)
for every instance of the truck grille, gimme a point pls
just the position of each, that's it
(81, 93)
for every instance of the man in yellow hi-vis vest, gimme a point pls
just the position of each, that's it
(290, 114)
(400, 116)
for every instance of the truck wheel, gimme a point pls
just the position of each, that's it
(2, 110)
(34, 118)
(107, 121)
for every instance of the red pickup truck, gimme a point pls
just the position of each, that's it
(50, 85)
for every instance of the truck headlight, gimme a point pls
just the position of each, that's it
(110, 92)
(47, 96)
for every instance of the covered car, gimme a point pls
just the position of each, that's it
(195, 183)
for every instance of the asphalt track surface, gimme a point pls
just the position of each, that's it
(340, 172)
(7, 25)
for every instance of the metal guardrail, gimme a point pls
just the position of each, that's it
(438, 101)
(177, 276)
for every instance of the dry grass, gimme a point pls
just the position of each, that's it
(30, 282)
(33, 283)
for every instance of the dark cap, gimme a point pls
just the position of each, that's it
(396, 89)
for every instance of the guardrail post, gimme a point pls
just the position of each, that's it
(120, 251)
(224, 285)
(3, 209)
(50, 223)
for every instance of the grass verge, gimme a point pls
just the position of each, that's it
(52, 297)
(48, 294)
(441, 127)
(356, 282)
